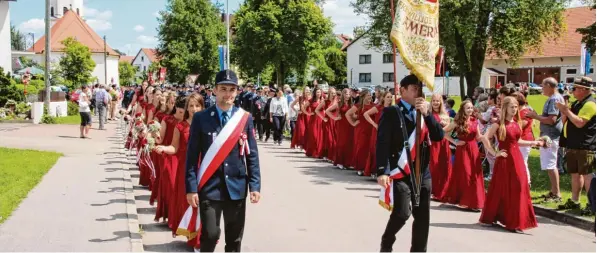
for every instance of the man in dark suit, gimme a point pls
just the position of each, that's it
(226, 191)
(390, 143)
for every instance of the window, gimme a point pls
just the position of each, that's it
(365, 59)
(64, 10)
(77, 14)
(388, 77)
(570, 80)
(52, 12)
(142, 58)
(364, 77)
(591, 71)
(387, 58)
(144, 68)
(570, 71)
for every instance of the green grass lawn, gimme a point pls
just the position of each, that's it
(69, 120)
(20, 171)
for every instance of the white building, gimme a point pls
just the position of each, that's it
(5, 45)
(559, 59)
(144, 58)
(69, 24)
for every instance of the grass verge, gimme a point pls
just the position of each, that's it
(21, 170)
(69, 120)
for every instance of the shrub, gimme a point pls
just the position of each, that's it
(8, 89)
(23, 108)
(47, 118)
(73, 108)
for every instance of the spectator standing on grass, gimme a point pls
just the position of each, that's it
(84, 111)
(579, 139)
(101, 102)
(449, 107)
(550, 126)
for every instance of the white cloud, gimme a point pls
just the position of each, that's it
(99, 25)
(104, 15)
(157, 14)
(90, 12)
(343, 16)
(147, 40)
(139, 28)
(32, 25)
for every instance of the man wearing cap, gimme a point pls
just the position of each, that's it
(230, 166)
(396, 122)
(579, 139)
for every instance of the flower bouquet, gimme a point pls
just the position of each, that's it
(546, 141)
(154, 126)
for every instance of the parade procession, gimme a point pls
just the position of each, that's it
(262, 129)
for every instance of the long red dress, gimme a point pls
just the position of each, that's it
(440, 165)
(362, 135)
(145, 173)
(329, 134)
(308, 131)
(345, 137)
(169, 180)
(180, 204)
(466, 187)
(157, 164)
(144, 170)
(370, 167)
(163, 187)
(299, 128)
(508, 198)
(314, 133)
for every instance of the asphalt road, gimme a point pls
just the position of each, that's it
(309, 205)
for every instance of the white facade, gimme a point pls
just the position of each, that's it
(373, 67)
(141, 63)
(98, 71)
(57, 8)
(569, 66)
(5, 47)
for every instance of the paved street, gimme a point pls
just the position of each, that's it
(78, 205)
(308, 205)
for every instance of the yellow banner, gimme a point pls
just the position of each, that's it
(416, 35)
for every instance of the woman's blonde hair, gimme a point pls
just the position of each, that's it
(502, 128)
(443, 114)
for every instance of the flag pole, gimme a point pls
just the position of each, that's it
(394, 53)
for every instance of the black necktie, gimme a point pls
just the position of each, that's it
(224, 118)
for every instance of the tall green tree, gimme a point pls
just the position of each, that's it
(588, 33)
(189, 33)
(329, 61)
(17, 39)
(76, 66)
(470, 29)
(282, 34)
(126, 73)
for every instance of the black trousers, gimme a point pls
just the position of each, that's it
(292, 125)
(258, 126)
(266, 127)
(234, 223)
(278, 127)
(402, 211)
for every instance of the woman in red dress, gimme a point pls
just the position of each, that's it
(508, 197)
(328, 140)
(299, 128)
(194, 103)
(344, 130)
(155, 157)
(314, 132)
(362, 131)
(440, 165)
(161, 187)
(145, 174)
(466, 187)
(385, 100)
(307, 112)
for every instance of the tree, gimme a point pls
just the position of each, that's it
(8, 88)
(189, 33)
(17, 39)
(282, 34)
(471, 29)
(126, 73)
(329, 61)
(588, 33)
(76, 65)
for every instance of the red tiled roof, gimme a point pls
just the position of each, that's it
(127, 58)
(568, 44)
(71, 25)
(345, 40)
(151, 53)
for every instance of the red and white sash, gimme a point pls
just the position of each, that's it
(386, 196)
(190, 225)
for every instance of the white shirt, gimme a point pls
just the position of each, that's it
(83, 104)
(278, 106)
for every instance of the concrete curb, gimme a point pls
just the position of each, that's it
(129, 195)
(569, 219)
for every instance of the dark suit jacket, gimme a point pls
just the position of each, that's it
(390, 139)
(232, 178)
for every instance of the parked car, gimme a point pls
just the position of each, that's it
(535, 89)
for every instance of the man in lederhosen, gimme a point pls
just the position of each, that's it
(390, 143)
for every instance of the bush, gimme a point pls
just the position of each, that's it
(73, 108)
(30, 89)
(47, 118)
(23, 108)
(8, 89)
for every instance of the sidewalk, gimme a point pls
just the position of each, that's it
(79, 205)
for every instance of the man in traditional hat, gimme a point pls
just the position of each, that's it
(396, 125)
(579, 139)
(221, 137)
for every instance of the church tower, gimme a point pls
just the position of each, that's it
(59, 7)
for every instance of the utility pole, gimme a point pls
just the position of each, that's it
(227, 35)
(47, 60)
(105, 63)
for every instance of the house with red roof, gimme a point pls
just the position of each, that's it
(144, 58)
(559, 58)
(67, 22)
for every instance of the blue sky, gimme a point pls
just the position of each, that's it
(131, 24)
